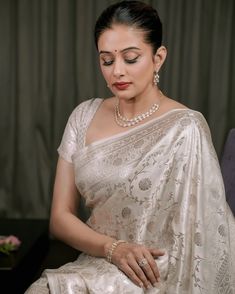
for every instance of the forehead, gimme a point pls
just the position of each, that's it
(121, 36)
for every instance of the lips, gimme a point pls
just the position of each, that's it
(121, 85)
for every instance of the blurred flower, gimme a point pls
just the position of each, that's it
(9, 243)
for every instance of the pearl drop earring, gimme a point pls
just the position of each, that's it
(155, 78)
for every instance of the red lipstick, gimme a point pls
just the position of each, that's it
(121, 85)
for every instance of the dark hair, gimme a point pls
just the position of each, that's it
(132, 13)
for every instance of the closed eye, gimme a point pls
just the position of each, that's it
(107, 63)
(133, 60)
(127, 60)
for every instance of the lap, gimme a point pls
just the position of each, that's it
(39, 286)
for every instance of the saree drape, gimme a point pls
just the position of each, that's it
(157, 184)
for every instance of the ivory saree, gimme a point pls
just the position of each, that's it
(158, 184)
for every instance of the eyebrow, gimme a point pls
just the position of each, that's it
(123, 50)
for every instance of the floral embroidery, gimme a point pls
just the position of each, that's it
(198, 239)
(222, 230)
(126, 212)
(145, 184)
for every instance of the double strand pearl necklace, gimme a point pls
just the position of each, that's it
(126, 122)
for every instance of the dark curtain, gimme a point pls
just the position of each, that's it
(49, 65)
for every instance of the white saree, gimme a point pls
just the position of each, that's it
(158, 184)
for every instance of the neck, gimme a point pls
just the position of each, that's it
(139, 104)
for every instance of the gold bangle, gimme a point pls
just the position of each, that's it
(112, 248)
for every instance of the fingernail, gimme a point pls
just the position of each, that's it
(141, 285)
(149, 286)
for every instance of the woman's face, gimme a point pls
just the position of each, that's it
(126, 61)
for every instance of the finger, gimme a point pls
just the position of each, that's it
(151, 269)
(132, 275)
(139, 272)
(156, 252)
(150, 274)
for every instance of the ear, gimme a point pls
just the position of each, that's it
(160, 57)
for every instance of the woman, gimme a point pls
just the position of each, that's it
(147, 169)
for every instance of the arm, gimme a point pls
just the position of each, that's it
(64, 224)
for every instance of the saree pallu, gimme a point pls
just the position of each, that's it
(158, 184)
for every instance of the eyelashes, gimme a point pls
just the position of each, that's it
(128, 61)
(107, 63)
(133, 60)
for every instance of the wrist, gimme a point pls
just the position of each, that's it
(112, 248)
(107, 246)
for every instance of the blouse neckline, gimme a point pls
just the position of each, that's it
(126, 132)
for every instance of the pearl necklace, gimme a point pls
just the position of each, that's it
(126, 122)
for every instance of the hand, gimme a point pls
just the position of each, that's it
(127, 257)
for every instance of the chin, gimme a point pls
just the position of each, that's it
(125, 96)
(129, 98)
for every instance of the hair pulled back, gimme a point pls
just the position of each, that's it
(132, 13)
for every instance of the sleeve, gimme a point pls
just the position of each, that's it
(75, 130)
(68, 145)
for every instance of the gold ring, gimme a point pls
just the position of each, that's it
(143, 262)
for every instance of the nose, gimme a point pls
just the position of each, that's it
(118, 69)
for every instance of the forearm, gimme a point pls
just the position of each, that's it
(71, 230)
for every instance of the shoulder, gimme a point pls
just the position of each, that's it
(192, 117)
(86, 105)
(189, 117)
(190, 126)
(84, 108)
(191, 123)
(186, 118)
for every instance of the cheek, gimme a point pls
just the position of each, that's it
(106, 72)
(143, 67)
